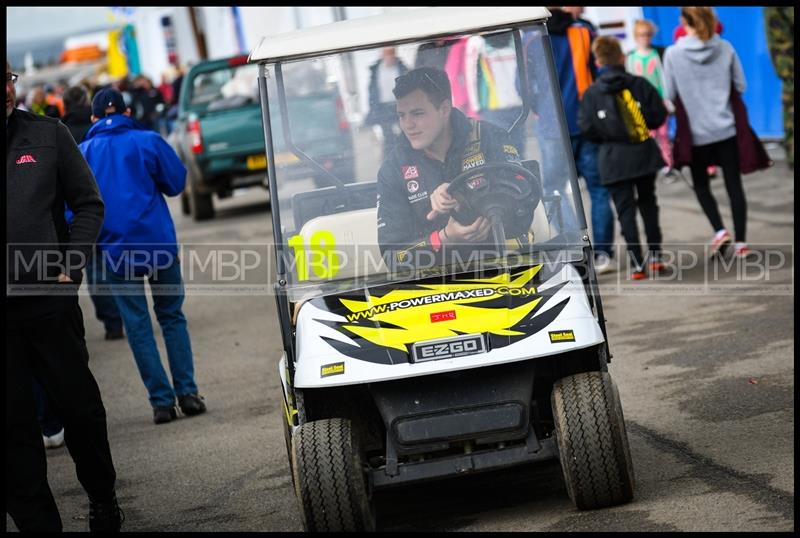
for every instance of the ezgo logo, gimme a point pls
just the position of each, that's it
(328, 370)
(561, 336)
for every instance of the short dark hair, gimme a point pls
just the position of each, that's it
(434, 82)
(76, 97)
(608, 51)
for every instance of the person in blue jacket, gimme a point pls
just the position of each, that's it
(135, 168)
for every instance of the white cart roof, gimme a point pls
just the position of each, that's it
(397, 26)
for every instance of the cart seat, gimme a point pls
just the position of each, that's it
(356, 237)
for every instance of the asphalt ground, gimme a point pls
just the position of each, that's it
(703, 361)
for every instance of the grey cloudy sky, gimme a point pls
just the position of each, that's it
(28, 23)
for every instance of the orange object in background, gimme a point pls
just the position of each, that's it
(82, 54)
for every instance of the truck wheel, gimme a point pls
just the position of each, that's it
(329, 477)
(592, 441)
(186, 206)
(202, 206)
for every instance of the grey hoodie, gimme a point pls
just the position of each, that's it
(700, 72)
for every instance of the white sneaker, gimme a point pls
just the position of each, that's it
(54, 441)
(604, 264)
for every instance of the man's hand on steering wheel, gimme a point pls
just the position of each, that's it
(441, 202)
(456, 232)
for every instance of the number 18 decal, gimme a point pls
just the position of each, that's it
(319, 255)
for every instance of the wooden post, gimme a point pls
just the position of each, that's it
(199, 38)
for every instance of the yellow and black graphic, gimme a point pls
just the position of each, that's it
(328, 370)
(561, 336)
(632, 116)
(386, 323)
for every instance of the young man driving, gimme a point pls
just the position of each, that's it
(415, 211)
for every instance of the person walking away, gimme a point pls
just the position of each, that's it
(678, 33)
(135, 168)
(77, 112)
(44, 323)
(619, 111)
(381, 99)
(645, 61)
(571, 43)
(78, 118)
(780, 38)
(700, 70)
(145, 99)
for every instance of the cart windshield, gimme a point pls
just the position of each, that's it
(432, 157)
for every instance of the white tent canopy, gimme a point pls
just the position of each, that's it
(392, 28)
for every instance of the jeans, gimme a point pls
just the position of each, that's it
(585, 154)
(555, 179)
(168, 295)
(105, 307)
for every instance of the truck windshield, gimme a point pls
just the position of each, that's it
(226, 87)
(363, 205)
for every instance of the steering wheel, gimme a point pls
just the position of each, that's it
(506, 199)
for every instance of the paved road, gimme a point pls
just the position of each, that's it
(704, 367)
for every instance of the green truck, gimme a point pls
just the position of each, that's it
(219, 134)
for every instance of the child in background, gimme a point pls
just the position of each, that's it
(645, 61)
(618, 112)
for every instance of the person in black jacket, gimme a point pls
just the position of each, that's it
(618, 111)
(415, 212)
(77, 112)
(44, 323)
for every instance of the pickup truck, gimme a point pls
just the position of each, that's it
(219, 133)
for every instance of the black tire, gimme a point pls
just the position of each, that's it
(592, 441)
(202, 206)
(186, 206)
(329, 477)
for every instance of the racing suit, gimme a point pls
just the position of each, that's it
(408, 177)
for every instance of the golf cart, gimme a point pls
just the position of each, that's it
(400, 373)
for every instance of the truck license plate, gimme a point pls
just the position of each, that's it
(259, 162)
(448, 348)
(256, 162)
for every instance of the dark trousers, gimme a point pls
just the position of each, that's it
(628, 195)
(726, 155)
(48, 418)
(48, 342)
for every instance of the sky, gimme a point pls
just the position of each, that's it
(29, 23)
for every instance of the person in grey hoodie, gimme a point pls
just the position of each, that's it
(700, 70)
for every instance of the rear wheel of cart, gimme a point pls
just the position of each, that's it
(329, 477)
(592, 441)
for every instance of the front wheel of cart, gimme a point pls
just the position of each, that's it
(592, 441)
(329, 477)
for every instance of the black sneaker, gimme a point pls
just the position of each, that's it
(115, 334)
(164, 414)
(191, 404)
(105, 516)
